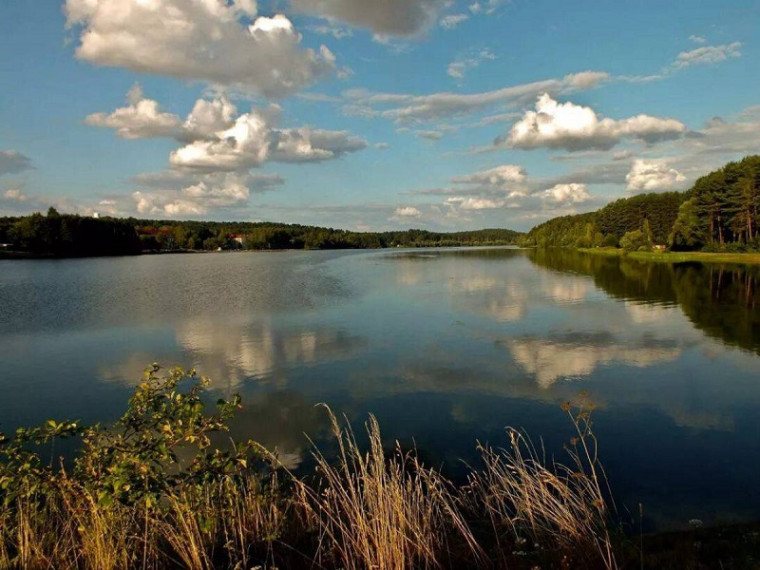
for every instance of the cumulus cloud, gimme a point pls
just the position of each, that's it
(697, 39)
(15, 194)
(218, 140)
(652, 176)
(12, 162)
(566, 194)
(142, 118)
(244, 145)
(253, 139)
(312, 145)
(707, 55)
(573, 127)
(179, 179)
(495, 188)
(407, 212)
(209, 117)
(501, 177)
(389, 17)
(198, 39)
(179, 194)
(474, 203)
(402, 107)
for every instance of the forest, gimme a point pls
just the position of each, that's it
(67, 235)
(718, 213)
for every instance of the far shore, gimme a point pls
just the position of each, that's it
(6, 254)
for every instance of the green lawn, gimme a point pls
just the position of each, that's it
(678, 257)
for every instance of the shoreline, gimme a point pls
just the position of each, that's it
(676, 257)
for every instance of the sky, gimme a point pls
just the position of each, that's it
(369, 115)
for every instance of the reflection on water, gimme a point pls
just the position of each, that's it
(234, 353)
(551, 361)
(444, 346)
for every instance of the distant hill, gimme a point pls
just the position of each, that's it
(65, 235)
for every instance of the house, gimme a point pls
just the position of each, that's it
(659, 247)
(237, 238)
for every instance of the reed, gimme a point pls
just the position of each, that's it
(130, 502)
(378, 510)
(546, 504)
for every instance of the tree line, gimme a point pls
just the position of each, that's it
(718, 213)
(67, 235)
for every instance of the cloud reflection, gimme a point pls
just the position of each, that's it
(551, 361)
(234, 353)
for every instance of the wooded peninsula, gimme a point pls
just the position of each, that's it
(719, 213)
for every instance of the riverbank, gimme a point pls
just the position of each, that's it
(677, 257)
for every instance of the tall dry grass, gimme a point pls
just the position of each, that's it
(366, 508)
(383, 511)
(548, 504)
(227, 523)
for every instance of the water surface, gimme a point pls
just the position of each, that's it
(445, 347)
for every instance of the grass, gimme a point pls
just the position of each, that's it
(138, 498)
(678, 257)
(529, 500)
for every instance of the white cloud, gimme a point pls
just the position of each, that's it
(386, 17)
(429, 135)
(198, 39)
(12, 162)
(252, 140)
(707, 55)
(573, 127)
(216, 140)
(475, 203)
(209, 117)
(566, 194)
(310, 145)
(141, 119)
(408, 212)
(446, 105)
(652, 176)
(697, 39)
(174, 193)
(338, 32)
(244, 145)
(459, 67)
(501, 177)
(168, 180)
(489, 6)
(453, 20)
(15, 194)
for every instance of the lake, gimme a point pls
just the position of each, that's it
(445, 347)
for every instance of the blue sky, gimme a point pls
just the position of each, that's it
(369, 115)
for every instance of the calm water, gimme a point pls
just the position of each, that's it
(445, 347)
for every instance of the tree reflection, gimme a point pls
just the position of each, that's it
(720, 300)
